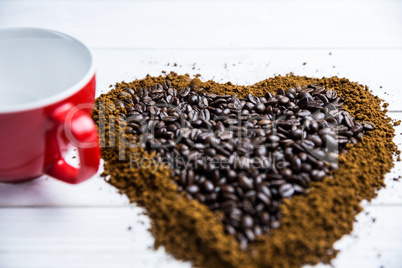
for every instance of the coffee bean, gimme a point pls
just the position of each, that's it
(359, 136)
(286, 173)
(331, 94)
(125, 95)
(260, 108)
(317, 175)
(252, 98)
(210, 152)
(169, 135)
(368, 126)
(208, 186)
(275, 224)
(262, 188)
(273, 138)
(169, 118)
(264, 199)
(230, 121)
(303, 113)
(250, 195)
(315, 139)
(190, 177)
(357, 129)
(193, 189)
(286, 190)
(250, 235)
(323, 98)
(119, 104)
(247, 221)
(245, 182)
(261, 151)
(230, 229)
(231, 175)
(226, 111)
(330, 141)
(348, 120)
(264, 122)
(227, 206)
(284, 100)
(203, 103)
(193, 99)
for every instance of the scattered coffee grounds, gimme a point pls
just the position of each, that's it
(286, 211)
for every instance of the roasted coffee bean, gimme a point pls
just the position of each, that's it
(172, 127)
(169, 118)
(315, 139)
(359, 136)
(249, 106)
(262, 188)
(357, 129)
(348, 120)
(265, 199)
(368, 126)
(230, 121)
(226, 111)
(265, 218)
(284, 100)
(193, 189)
(208, 186)
(247, 221)
(119, 104)
(210, 152)
(260, 108)
(203, 103)
(286, 190)
(303, 113)
(125, 95)
(261, 151)
(245, 182)
(230, 229)
(231, 175)
(330, 141)
(264, 122)
(331, 94)
(252, 98)
(242, 156)
(227, 206)
(286, 173)
(317, 175)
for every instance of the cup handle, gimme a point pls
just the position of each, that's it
(82, 133)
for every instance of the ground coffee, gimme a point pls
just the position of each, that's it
(310, 223)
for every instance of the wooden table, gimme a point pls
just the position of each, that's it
(46, 223)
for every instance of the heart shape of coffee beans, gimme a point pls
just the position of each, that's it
(242, 156)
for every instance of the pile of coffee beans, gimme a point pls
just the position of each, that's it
(242, 156)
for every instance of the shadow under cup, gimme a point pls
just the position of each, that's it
(40, 71)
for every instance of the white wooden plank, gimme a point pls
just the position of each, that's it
(78, 237)
(215, 24)
(99, 237)
(48, 192)
(375, 241)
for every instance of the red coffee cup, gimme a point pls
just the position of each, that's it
(47, 90)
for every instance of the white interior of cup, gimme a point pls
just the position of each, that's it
(39, 67)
